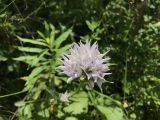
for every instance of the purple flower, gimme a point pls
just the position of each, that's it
(64, 97)
(85, 60)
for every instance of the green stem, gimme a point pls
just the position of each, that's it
(126, 66)
(117, 102)
(91, 97)
(8, 95)
(78, 89)
(125, 75)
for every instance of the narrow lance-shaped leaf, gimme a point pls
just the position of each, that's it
(63, 49)
(41, 34)
(46, 27)
(39, 58)
(27, 59)
(30, 49)
(32, 41)
(36, 71)
(32, 78)
(52, 35)
(39, 89)
(92, 25)
(62, 37)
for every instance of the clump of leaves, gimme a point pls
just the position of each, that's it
(45, 84)
(42, 56)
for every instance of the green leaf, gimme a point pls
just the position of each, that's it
(44, 113)
(32, 41)
(51, 92)
(27, 59)
(33, 77)
(79, 105)
(71, 118)
(30, 49)
(39, 89)
(41, 34)
(111, 112)
(1, 118)
(63, 49)
(2, 58)
(62, 37)
(39, 58)
(28, 110)
(36, 71)
(23, 58)
(20, 103)
(46, 25)
(92, 25)
(52, 35)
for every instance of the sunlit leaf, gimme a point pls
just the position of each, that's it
(44, 113)
(71, 118)
(28, 110)
(92, 25)
(20, 103)
(27, 59)
(41, 34)
(39, 89)
(111, 112)
(30, 49)
(79, 105)
(39, 58)
(63, 49)
(32, 41)
(36, 71)
(62, 38)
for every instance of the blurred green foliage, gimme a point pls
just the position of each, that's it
(129, 29)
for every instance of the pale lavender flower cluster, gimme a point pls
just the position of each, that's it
(85, 60)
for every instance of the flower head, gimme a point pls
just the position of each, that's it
(64, 97)
(85, 60)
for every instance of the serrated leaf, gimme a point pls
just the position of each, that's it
(44, 113)
(39, 89)
(111, 112)
(51, 92)
(32, 41)
(28, 110)
(32, 78)
(80, 104)
(63, 49)
(30, 49)
(39, 58)
(36, 71)
(62, 37)
(27, 59)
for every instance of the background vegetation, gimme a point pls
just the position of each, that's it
(130, 29)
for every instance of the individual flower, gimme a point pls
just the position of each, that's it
(85, 60)
(64, 97)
